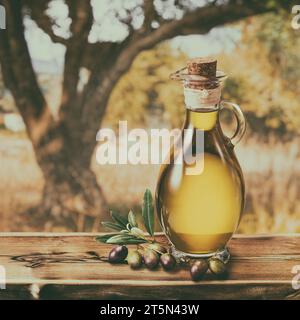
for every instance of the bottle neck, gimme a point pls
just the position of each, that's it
(202, 119)
(202, 107)
(202, 99)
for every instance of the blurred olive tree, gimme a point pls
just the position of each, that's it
(147, 89)
(264, 77)
(64, 144)
(265, 74)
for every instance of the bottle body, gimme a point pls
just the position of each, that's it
(200, 212)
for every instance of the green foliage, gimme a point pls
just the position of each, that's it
(132, 219)
(146, 92)
(124, 239)
(129, 231)
(282, 43)
(234, 89)
(119, 219)
(264, 74)
(111, 225)
(148, 212)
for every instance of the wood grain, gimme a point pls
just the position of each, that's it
(61, 266)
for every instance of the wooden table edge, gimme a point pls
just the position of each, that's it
(94, 234)
(47, 286)
(146, 282)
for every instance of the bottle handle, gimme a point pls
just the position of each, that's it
(240, 118)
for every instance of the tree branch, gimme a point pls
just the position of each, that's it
(81, 14)
(43, 21)
(149, 15)
(201, 21)
(19, 75)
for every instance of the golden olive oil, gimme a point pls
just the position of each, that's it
(200, 212)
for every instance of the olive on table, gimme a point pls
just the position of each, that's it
(167, 261)
(134, 259)
(118, 254)
(216, 266)
(198, 269)
(151, 259)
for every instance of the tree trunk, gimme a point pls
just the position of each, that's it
(72, 196)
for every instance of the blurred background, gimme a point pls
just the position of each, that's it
(69, 67)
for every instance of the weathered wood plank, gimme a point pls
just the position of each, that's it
(260, 268)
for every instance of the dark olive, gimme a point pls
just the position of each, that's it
(118, 254)
(167, 261)
(151, 259)
(216, 266)
(158, 248)
(198, 269)
(134, 259)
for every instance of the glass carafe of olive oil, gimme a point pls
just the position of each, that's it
(199, 212)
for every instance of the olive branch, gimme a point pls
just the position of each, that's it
(128, 228)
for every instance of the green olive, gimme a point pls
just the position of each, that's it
(216, 266)
(134, 259)
(151, 259)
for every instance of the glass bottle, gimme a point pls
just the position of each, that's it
(199, 204)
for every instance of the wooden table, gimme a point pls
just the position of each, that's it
(64, 266)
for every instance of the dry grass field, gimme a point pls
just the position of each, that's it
(272, 175)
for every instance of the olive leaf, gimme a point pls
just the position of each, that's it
(111, 225)
(124, 239)
(119, 219)
(105, 237)
(148, 212)
(120, 238)
(137, 232)
(132, 219)
(135, 241)
(127, 227)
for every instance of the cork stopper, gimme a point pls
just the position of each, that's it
(206, 70)
(201, 82)
(204, 67)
